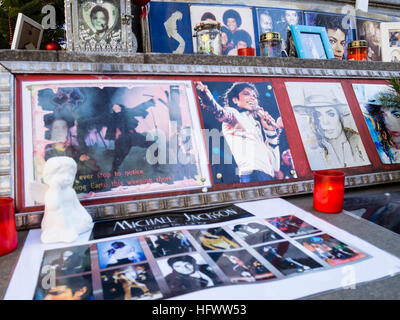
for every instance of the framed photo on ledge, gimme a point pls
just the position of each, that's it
(97, 26)
(311, 42)
(28, 34)
(390, 41)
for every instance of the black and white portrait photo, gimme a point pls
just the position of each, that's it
(326, 124)
(100, 21)
(185, 273)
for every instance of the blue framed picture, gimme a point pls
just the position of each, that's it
(170, 28)
(311, 42)
(338, 35)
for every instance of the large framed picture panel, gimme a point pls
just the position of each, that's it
(58, 90)
(383, 122)
(245, 131)
(316, 111)
(128, 136)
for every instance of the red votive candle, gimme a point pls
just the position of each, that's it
(246, 52)
(328, 191)
(8, 232)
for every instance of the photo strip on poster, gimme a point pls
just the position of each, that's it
(383, 121)
(244, 131)
(237, 29)
(127, 136)
(329, 134)
(160, 265)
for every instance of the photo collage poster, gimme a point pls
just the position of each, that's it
(244, 132)
(383, 122)
(330, 136)
(175, 27)
(126, 136)
(160, 265)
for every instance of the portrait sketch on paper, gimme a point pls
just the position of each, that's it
(326, 125)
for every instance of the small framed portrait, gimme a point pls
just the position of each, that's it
(28, 34)
(311, 42)
(390, 41)
(370, 30)
(99, 26)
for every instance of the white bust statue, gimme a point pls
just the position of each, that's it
(64, 216)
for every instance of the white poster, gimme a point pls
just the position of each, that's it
(282, 253)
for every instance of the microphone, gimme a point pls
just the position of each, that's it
(259, 110)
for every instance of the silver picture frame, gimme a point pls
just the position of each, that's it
(99, 26)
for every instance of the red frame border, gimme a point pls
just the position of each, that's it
(303, 169)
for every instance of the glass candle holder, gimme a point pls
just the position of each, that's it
(271, 44)
(329, 191)
(208, 36)
(246, 52)
(357, 50)
(8, 232)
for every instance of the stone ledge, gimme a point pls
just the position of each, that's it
(192, 59)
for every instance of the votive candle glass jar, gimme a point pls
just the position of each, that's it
(329, 191)
(357, 50)
(271, 44)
